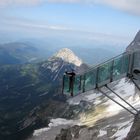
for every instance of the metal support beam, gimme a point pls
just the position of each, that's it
(121, 98)
(116, 102)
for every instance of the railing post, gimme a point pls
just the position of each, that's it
(97, 77)
(80, 83)
(111, 74)
(63, 84)
(131, 64)
(84, 83)
(122, 63)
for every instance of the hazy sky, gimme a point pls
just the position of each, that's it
(103, 20)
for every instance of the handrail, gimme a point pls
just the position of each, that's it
(98, 65)
(94, 67)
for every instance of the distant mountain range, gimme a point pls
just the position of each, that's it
(20, 53)
(31, 51)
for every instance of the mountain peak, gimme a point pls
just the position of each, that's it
(135, 44)
(68, 56)
(137, 37)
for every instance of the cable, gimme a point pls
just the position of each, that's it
(135, 84)
(94, 67)
(121, 98)
(132, 78)
(116, 102)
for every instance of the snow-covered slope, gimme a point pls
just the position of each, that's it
(68, 56)
(109, 120)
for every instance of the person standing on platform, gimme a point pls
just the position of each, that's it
(71, 81)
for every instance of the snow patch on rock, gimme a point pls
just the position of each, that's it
(54, 123)
(102, 133)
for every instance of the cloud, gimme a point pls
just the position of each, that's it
(131, 6)
(14, 27)
(31, 24)
(4, 3)
(66, 1)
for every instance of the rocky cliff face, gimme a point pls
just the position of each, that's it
(134, 133)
